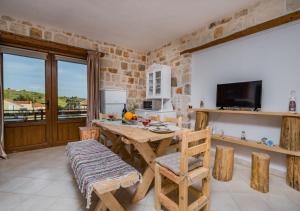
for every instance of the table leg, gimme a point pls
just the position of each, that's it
(149, 155)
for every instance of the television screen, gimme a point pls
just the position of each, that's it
(242, 94)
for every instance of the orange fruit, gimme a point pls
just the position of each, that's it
(128, 115)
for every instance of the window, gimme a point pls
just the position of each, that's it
(24, 88)
(72, 89)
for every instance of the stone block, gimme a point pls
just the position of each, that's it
(61, 38)
(124, 65)
(113, 70)
(125, 54)
(18, 28)
(241, 13)
(119, 52)
(187, 89)
(27, 23)
(141, 67)
(173, 81)
(7, 18)
(106, 63)
(131, 80)
(48, 35)
(179, 90)
(3, 25)
(218, 32)
(35, 33)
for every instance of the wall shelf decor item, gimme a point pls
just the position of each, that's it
(289, 140)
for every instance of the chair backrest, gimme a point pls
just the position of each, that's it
(154, 118)
(177, 121)
(103, 116)
(195, 144)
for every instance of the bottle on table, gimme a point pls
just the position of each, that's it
(123, 112)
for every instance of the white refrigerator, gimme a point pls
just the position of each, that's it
(113, 100)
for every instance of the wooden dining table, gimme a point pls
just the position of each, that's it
(121, 135)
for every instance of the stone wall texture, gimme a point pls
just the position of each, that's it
(121, 67)
(125, 68)
(169, 53)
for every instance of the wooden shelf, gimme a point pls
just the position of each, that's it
(262, 113)
(254, 144)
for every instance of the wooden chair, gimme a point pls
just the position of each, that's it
(184, 169)
(89, 133)
(154, 118)
(178, 121)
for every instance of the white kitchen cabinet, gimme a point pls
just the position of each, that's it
(158, 82)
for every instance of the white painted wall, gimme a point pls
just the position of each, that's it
(272, 56)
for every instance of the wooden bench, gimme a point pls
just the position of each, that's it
(98, 169)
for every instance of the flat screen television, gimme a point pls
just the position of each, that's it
(242, 95)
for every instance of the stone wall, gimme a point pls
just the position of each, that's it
(125, 68)
(169, 53)
(121, 67)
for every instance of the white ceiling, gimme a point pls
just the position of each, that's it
(138, 24)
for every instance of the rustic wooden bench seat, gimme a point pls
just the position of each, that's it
(98, 169)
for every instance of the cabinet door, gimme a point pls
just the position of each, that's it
(158, 83)
(150, 84)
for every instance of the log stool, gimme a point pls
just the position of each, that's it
(88, 133)
(293, 172)
(260, 172)
(223, 165)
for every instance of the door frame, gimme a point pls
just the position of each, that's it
(52, 49)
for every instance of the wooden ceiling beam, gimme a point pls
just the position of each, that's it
(25, 42)
(248, 31)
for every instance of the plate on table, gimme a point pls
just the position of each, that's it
(161, 130)
(157, 123)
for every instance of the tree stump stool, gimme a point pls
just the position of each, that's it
(290, 139)
(260, 172)
(88, 133)
(293, 172)
(223, 165)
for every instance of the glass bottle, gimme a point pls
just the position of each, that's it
(123, 113)
(292, 103)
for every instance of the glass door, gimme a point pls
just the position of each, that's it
(158, 83)
(71, 98)
(25, 101)
(150, 87)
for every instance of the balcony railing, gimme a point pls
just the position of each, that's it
(40, 114)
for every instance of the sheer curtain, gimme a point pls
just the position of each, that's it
(93, 81)
(2, 152)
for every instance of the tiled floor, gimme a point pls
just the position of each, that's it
(42, 180)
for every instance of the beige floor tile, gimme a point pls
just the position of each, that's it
(42, 180)
(35, 203)
(280, 202)
(32, 187)
(66, 205)
(250, 202)
(10, 200)
(223, 201)
(9, 184)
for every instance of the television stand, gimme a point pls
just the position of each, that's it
(289, 138)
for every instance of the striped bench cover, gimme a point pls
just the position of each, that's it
(97, 168)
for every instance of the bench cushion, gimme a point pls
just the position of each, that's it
(97, 168)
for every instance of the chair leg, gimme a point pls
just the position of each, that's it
(183, 195)
(158, 183)
(206, 192)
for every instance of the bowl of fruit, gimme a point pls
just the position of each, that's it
(130, 118)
